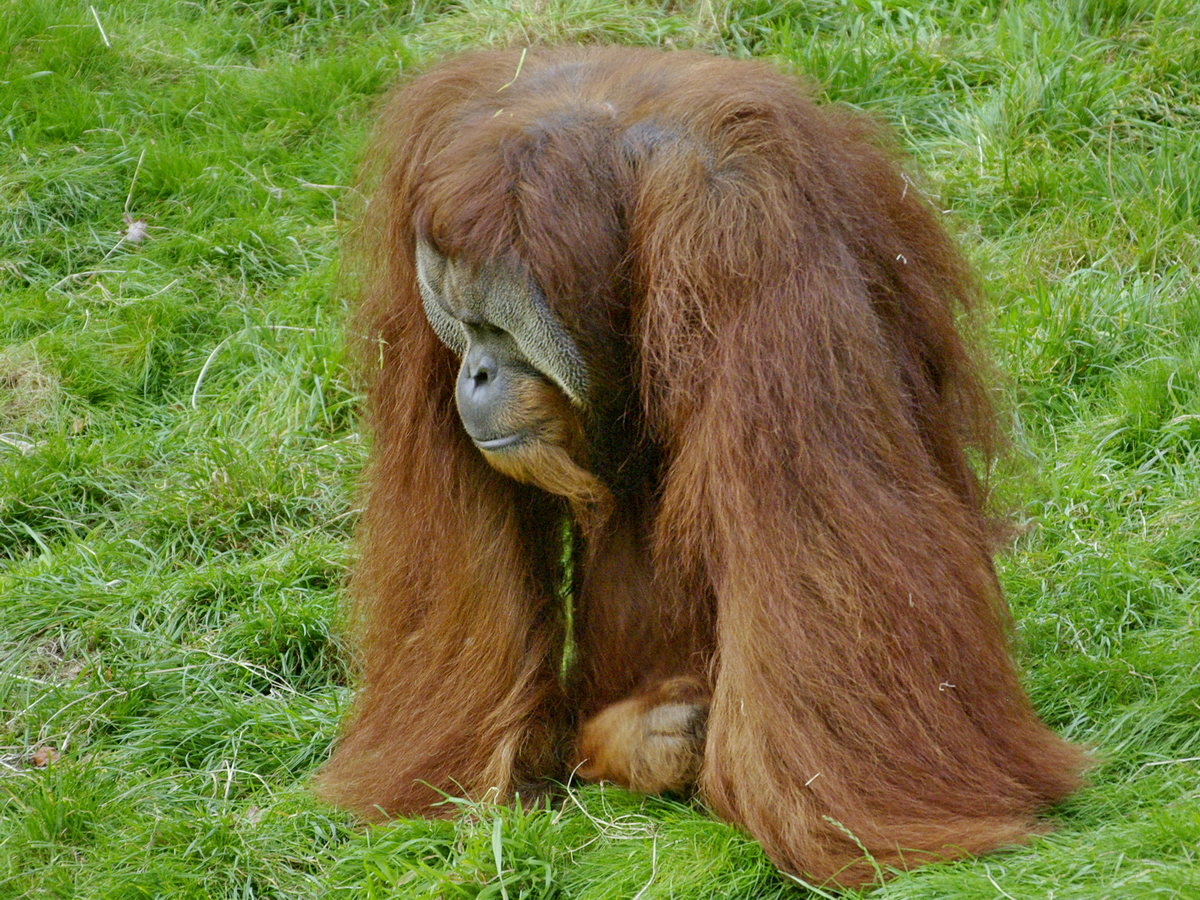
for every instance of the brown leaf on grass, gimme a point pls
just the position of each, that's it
(43, 757)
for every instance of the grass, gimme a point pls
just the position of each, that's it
(178, 440)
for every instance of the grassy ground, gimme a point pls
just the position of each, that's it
(178, 445)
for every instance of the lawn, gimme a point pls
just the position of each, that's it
(179, 441)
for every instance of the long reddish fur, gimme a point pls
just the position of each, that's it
(813, 544)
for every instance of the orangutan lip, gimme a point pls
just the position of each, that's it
(500, 443)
